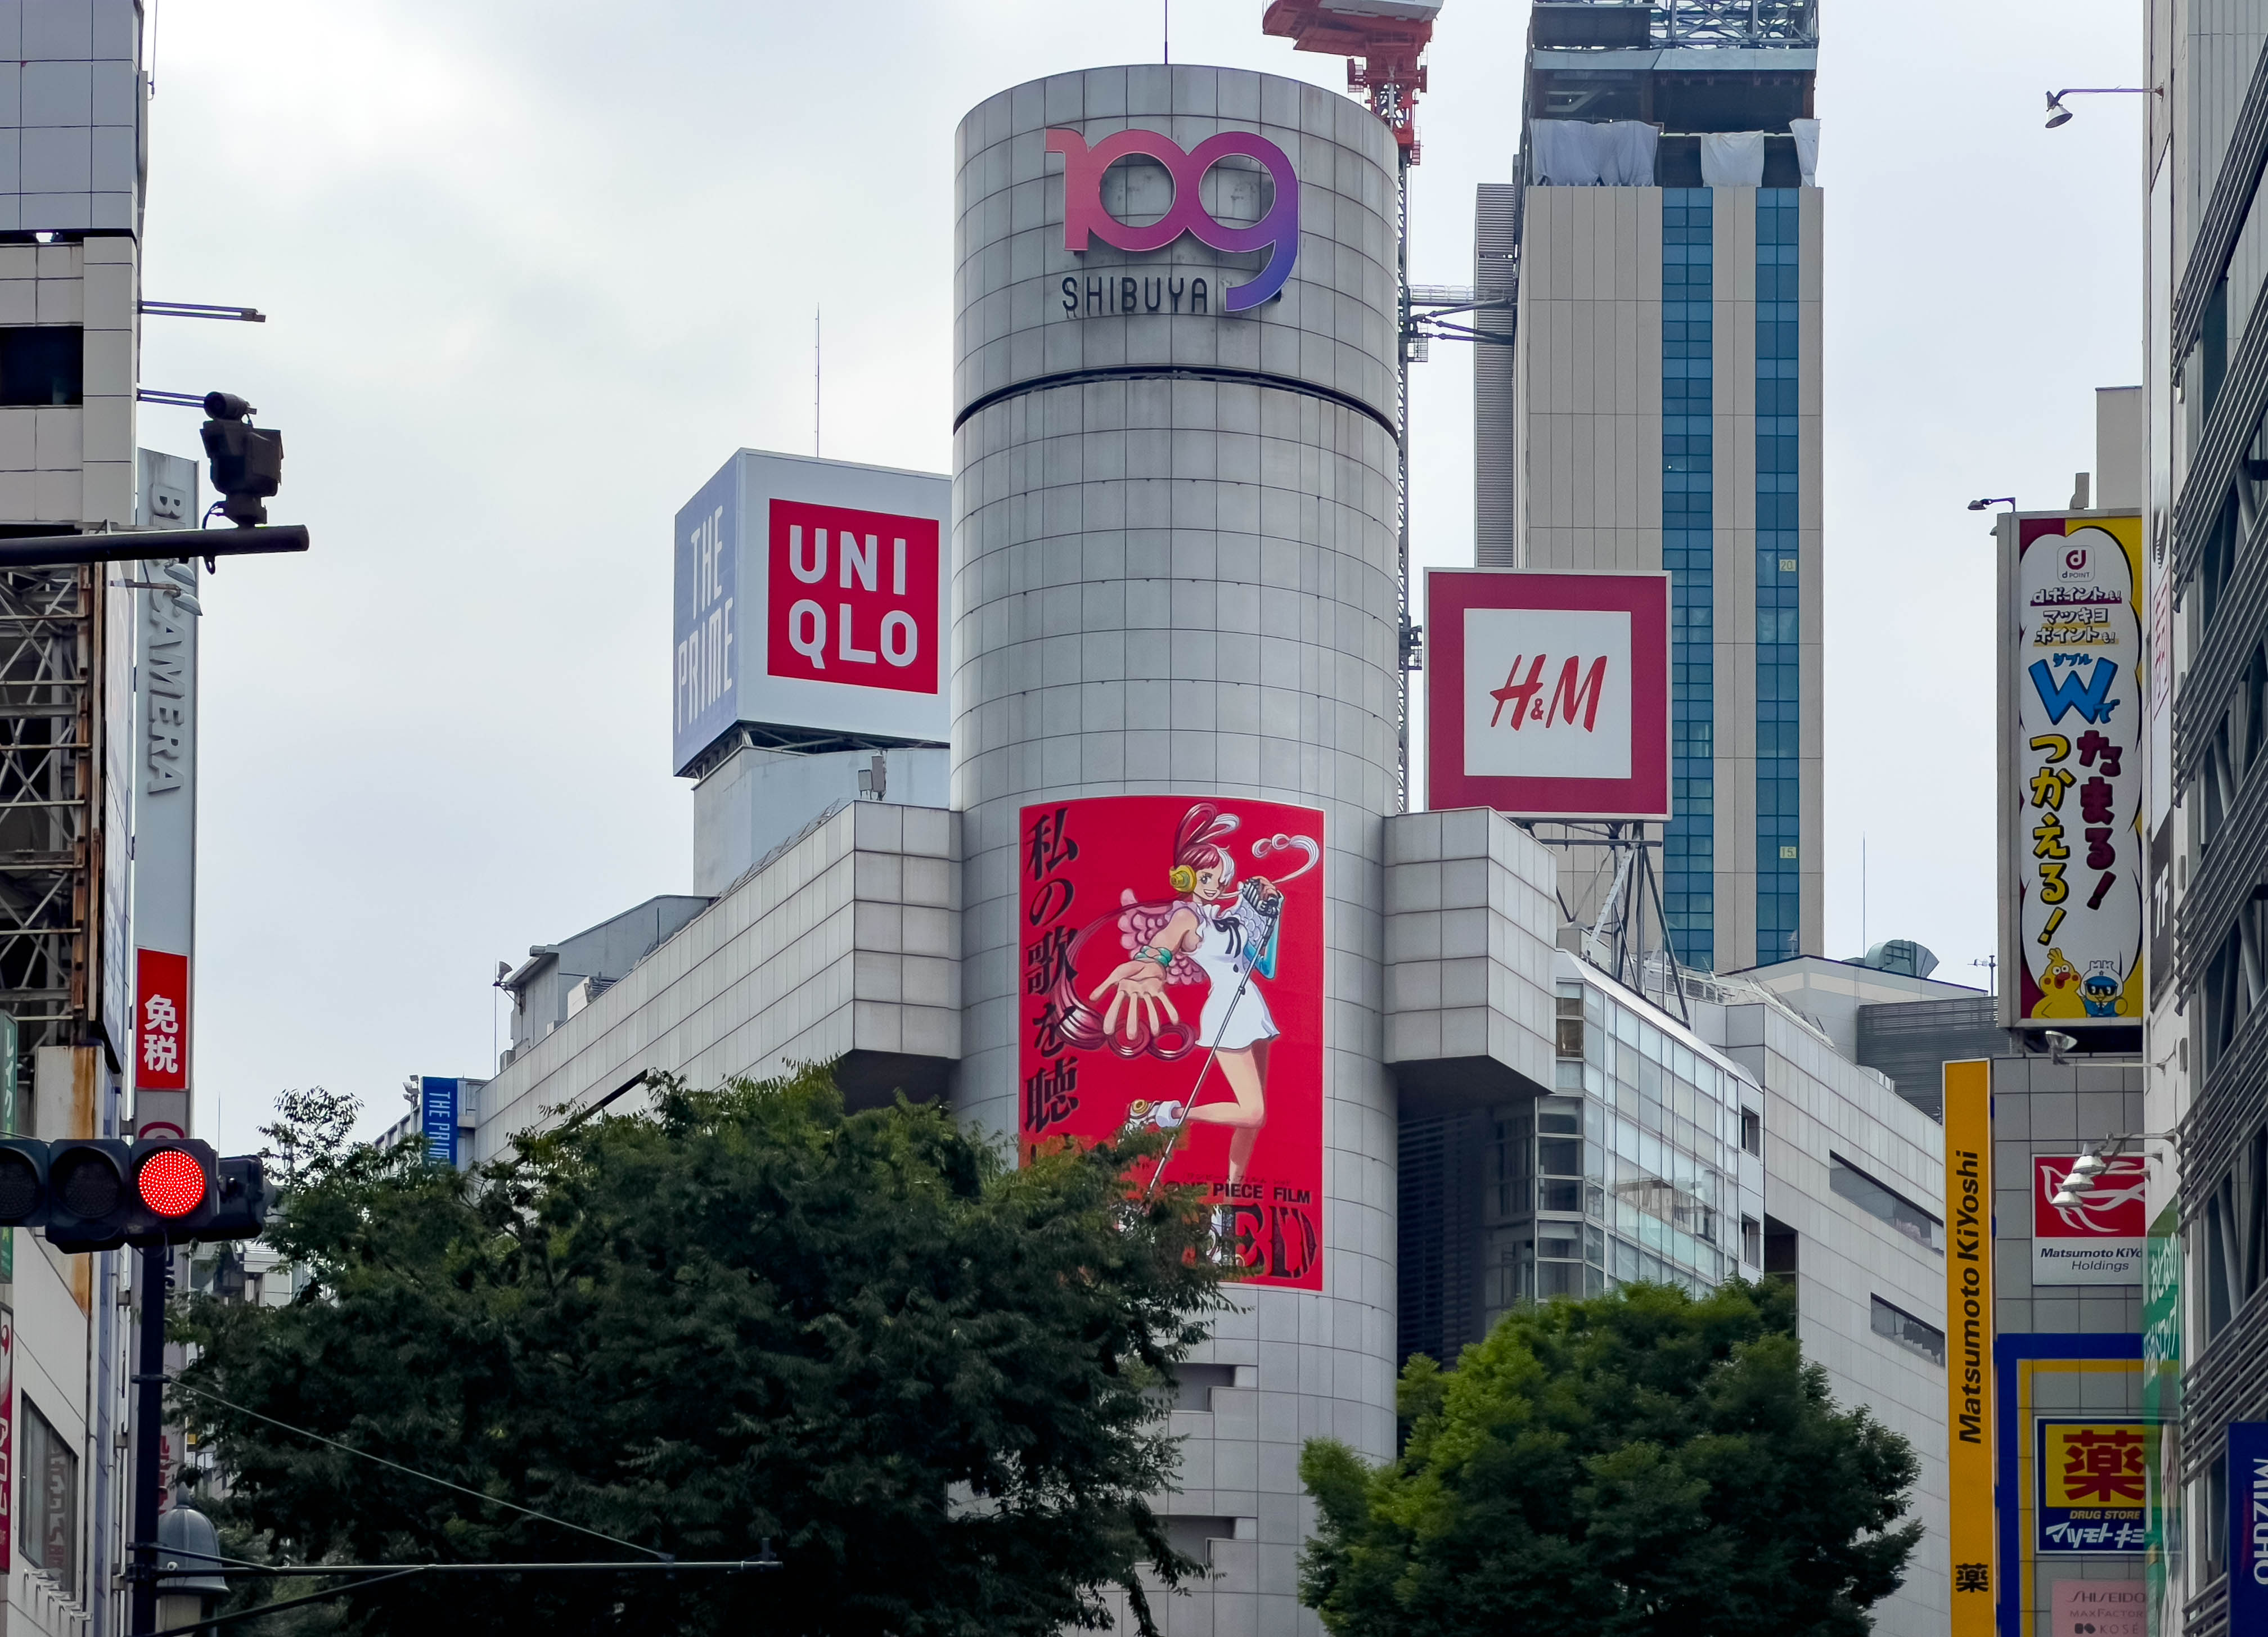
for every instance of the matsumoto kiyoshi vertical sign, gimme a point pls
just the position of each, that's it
(1969, 1511)
(1172, 979)
(2071, 779)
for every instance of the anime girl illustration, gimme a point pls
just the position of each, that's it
(1166, 978)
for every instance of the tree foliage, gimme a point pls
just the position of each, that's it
(310, 1136)
(1638, 1463)
(929, 1378)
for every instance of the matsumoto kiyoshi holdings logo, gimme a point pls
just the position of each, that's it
(1085, 216)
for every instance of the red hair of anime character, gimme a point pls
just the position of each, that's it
(1104, 944)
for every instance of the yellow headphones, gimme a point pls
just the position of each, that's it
(1185, 878)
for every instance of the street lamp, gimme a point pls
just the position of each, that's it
(2057, 115)
(2095, 1159)
(2009, 501)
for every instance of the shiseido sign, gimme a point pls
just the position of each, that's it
(1123, 291)
(1548, 694)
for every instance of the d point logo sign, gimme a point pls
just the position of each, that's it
(1086, 217)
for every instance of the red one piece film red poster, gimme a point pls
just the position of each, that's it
(1172, 979)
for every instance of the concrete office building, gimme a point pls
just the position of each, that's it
(1659, 408)
(1172, 559)
(2205, 388)
(1561, 1134)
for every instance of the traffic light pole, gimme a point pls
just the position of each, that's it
(54, 551)
(149, 1411)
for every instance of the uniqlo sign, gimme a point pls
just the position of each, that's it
(2097, 1240)
(810, 600)
(1548, 694)
(854, 597)
(161, 1021)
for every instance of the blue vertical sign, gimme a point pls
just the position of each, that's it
(705, 629)
(437, 1098)
(2248, 1526)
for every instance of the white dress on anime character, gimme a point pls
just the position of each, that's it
(1226, 949)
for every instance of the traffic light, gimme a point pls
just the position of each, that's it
(89, 1202)
(242, 1211)
(248, 460)
(176, 1190)
(96, 1194)
(23, 1182)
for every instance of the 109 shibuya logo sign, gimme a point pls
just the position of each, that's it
(1086, 219)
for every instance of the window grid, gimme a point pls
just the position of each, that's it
(1689, 553)
(1779, 689)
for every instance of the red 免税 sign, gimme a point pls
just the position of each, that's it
(853, 598)
(161, 1021)
(1171, 977)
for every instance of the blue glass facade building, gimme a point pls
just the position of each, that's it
(1780, 556)
(1689, 879)
(1655, 266)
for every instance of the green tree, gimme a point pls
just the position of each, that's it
(310, 1134)
(1638, 1463)
(930, 1377)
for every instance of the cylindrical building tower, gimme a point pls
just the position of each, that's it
(1174, 576)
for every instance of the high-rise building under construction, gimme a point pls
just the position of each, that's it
(1658, 407)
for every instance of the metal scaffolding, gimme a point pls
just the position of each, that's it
(1735, 23)
(50, 671)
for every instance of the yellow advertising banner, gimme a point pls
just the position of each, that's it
(1968, 1320)
(2073, 692)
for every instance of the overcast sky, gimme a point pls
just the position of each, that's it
(534, 270)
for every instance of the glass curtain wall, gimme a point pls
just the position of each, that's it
(1628, 1172)
(1779, 705)
(1688, 552)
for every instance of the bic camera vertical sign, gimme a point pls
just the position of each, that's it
(2073, 865)
(165, 812)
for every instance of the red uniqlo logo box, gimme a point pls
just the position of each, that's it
(853, 598)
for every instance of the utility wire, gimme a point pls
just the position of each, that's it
(258, 1610)
(180, 1386)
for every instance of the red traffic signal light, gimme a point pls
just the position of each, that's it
(171, 1183)
(176, 1188)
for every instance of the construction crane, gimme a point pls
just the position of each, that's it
(1382, 41)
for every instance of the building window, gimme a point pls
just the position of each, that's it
(1778, 661)
(1752, 1132)
(41, 363)
(50, 1497)
(1876, 1200)
(2236, 1236)
(1689, 847)
(1905, 1328)
(1569, 1020)
(1752, 1241)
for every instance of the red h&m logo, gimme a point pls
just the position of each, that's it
(852, 597)
(161, 1021)
(1577, 690)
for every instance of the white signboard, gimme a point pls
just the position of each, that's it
(1547, 693)
(812, 598)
